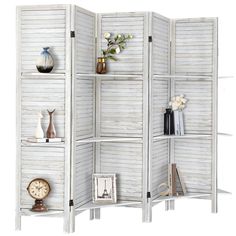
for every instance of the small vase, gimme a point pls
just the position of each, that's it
(51, 132)
(101, 66)
(44, 62)
(169, 122)
(39, 131)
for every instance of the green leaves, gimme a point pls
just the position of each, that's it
(115, 45)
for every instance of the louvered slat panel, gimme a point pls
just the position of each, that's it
(193, 158)
(84, 42)
(124, 159)
(43, 28)
(160, 45)
(39, 95)
(194, 46)
(130, 61)
(84, 100)
(198, 112)
(47, 163)
(121, 108)
(160, 93)
(159, 165)
(83, 173)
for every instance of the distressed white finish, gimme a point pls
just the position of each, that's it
(193, 158)
(124, 159)
(48, 163)
(194, 45)
(83, 174)
(39, 95)
(113, 123)
(40, 28)
(121, 107)
(160, 162)
(131, 60)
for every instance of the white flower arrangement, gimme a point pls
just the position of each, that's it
(115, 44)
(178, 102)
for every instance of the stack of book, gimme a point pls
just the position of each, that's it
(178, 122)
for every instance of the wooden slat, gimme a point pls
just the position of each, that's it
(83, 173)
(194, 46)
(48, 163)
(84, 105)
(160, 45)
(198, 112)
(124, 159)
(40, 28)
(193, 158)
(40, 95)
(159, 165)
(129, 24)
(84, 42)
(160, 98)
(121, 108)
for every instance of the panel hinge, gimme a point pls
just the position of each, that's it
(148, 194)
(72, 34)
(149, 39)
(71, 203)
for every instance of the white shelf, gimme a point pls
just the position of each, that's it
(108, 139)
(226, 77)
(188, 195)
(31, 144)
(91, 205)
(190, 136)
(183, 76)
(43, 75)
(28, 212)
(111, 75)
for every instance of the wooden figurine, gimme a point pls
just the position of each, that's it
(51, 132)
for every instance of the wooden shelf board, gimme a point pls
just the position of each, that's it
(28, 212)
(183, 76)
(182, 136)
(31, 144)
(111, 75)
(91, 205)
(43, 75)
(108, 139)
(188, 195)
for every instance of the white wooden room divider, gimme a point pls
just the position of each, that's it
(113, 123)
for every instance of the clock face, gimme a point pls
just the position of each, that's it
(38, 189)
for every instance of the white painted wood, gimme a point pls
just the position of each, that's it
(121, 108)
(131, 60)
(114, 122)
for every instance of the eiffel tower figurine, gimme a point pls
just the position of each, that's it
(105, 193)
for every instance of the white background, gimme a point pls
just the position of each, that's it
(191, 217)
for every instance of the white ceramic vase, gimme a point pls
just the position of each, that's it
(39, 131)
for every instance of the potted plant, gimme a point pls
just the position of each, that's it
(115, 45)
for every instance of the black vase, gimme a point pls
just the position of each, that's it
(169, 122)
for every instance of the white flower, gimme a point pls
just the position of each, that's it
(181, 95)
(119, 36)
(184, 100)
(181, 107)
(117, 50)
(178, 98)
(107, 35)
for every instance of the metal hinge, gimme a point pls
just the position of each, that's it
(72, 34)
(149, 39)
(71, 203)
(148, 194)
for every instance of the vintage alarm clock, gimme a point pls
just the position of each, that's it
(39, 189)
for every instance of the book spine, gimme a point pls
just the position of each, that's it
(181, 122)
(176, 121)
